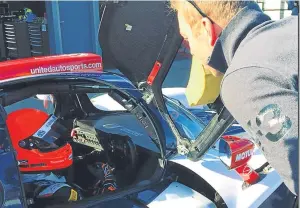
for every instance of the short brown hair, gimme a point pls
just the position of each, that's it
(220, 11)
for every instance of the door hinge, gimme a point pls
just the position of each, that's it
(148, 95)
(182, 150)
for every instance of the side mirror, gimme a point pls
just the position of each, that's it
(235, 153)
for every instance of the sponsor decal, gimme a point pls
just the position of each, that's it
(270, 123)
(56, 161)
(91, 74)
(247, 170)
(65, 68)
(73, 195)
(23, 162)
(243, 155)
(47, 65)
(32, 165)
(70, 157)
(111, 126)
(50, 121)
(46, 127)
(37, 165)
(134, 133)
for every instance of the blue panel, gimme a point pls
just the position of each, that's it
(53, 18)
(77, 28)
(73, 26)
(96, 18)
(10, 181)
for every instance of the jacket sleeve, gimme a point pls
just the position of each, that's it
(265, 104)
(290, 4)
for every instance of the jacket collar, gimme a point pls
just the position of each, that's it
(233, 34)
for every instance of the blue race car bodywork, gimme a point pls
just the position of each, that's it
(13, 194)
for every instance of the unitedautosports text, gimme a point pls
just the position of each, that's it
(65, 68)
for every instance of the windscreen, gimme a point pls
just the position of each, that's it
(186, 123)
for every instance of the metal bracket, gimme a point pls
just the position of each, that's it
(182, 150)
(148, 95)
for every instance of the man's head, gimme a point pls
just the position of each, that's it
(202, 32)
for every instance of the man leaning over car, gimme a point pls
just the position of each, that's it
(259, 60)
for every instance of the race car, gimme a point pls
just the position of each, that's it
(113, 121)
(160, 153)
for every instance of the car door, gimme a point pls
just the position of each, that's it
(11, 190)
(150, 32)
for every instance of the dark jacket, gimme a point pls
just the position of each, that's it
(293, 6)
(260, 88)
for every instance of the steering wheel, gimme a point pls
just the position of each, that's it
(122, 152)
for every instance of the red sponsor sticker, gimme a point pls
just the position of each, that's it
(69, 63)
